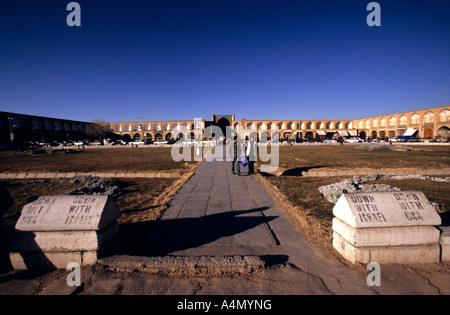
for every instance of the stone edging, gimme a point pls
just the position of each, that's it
(392, 172)
(52, 175)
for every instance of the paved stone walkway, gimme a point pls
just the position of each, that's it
(217, 212)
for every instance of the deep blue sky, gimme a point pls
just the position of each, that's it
(257, 59)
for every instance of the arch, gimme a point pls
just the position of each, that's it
(374, 135)
(329, 125)
(428, 118)
(185, 126)
(169, 136)
(223, 123)
(180, 136)
(302, 125)
(260, 125)
(339, 125)
(146, 127)
(117, 128)
(58, 126)
(175, 126)
(403, 120)
(156, 127)
(48, 125)
(374, 123)
(367, 123)
(165, 126)
(148, 138)
(392, 121)
(319, 125)
(126, 128)
(310, 125)
(348, 125)
(270, 125)
(363, 135)
(281, 125)
(444, 116)
(37, 124)
(415, 119)
(158, 136)
(136, 127)
(290, 125)
(428, 133)
(137, 136)
(383, 122)
(391, 134)
(68, 127)
(444, 132)
(360, 124)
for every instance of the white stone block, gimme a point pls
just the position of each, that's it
(386, 254)
(386, 209)
(68, 213)
(387, 236)
(63, 240)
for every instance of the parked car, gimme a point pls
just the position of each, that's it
(137, 142)
(329, 141)
(406, 139)
(95, 143)
(160, 142)
(353, 140)
(78, 143)
(120, 142)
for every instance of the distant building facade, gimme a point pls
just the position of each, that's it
(21, 128)
(426, 123)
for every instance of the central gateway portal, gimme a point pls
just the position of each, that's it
(223, 121)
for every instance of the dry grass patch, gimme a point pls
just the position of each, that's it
(96, 160)
(348, 157)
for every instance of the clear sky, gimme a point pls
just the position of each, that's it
(257, 59)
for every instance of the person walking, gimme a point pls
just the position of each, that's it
(236, 149)
(252, 153)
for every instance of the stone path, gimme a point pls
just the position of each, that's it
(217, 212)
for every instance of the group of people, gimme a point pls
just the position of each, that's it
(243, 153)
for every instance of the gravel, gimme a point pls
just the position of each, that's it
(93, 185)
(333, 192)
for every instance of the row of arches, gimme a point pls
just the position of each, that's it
(293, 125)
(432, 122)
(403, 120)
(428, 117)
(176, 126)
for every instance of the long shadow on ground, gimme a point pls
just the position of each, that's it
(164, 236)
